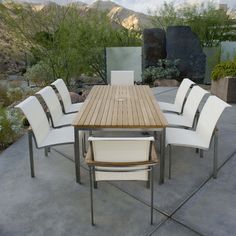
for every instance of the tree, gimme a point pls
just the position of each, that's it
(209, 23)
(67, 39)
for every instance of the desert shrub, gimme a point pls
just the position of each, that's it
(4, 100)
(15, 94)
(10, 126)
(40, 74)
(165, 69)
(224, 69)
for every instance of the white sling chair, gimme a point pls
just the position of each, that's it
(121, 159)
(177, 106)
(40, 130)
(58, 118)
(122, 77)
(202, 136)
(63, 91)
(186, 119)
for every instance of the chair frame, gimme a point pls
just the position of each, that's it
(214, 141)
(184, 100)
(31, 137)
(61, 99)
(49, 115)
(93, 164)
(46, 146)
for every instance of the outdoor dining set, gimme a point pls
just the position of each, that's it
(121, 130)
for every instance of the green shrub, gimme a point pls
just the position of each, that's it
(4, 100)
(224, 69)
(40, 74)
(165, 69)
(15, 94)
(10, 126)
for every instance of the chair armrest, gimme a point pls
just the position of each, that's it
(153, 161)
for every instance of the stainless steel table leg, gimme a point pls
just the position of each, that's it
(162, 156)
(77, 155)
(215, 159)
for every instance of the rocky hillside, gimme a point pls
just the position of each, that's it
(11, 57)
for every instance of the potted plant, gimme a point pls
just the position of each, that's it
(163, 74)
(224, 81)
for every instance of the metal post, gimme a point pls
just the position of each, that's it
(95, 184)
(46, 152)
(91, 195)
(84, 144)
(170, 160)
(30, 138)
(215, 159)
(162, 156)
(151, 179)
(77, 155)
(148, 181)
(201, 153)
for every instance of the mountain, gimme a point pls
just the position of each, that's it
(127, 18)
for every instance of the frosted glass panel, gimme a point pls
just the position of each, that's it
(228, 51)
(124, 58)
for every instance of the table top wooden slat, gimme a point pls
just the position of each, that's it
(120, 107)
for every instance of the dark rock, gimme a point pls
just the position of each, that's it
(166, 83)
(183, 44)
(75, 97)
(154, 47)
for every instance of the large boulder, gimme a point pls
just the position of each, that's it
(183, 44)
(154, 46)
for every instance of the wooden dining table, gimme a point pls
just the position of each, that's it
(120, 108)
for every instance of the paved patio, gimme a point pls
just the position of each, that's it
(191, 203)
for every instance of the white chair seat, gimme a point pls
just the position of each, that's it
(169, 107)
(59, 136)
(185, 138)
(178, 120)
(75, 107)
(65, 120)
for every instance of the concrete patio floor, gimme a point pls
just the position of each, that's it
(191, 203)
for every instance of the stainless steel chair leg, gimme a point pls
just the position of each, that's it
(201, 153)
(215, 159)
(46, 152)
(77, 155)
(148, 181)
(31, 155)
(94, 179)
(170, 160)
(151, 180)
(91, 195)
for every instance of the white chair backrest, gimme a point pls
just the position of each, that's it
(209, 116)
(182, 92)
(121, 150)
(119, 77)
(194, 98)
(64, 93)
(52, 102)
(36, 116)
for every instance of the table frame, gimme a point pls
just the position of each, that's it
(161, 127)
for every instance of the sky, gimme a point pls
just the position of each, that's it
(142, 5)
